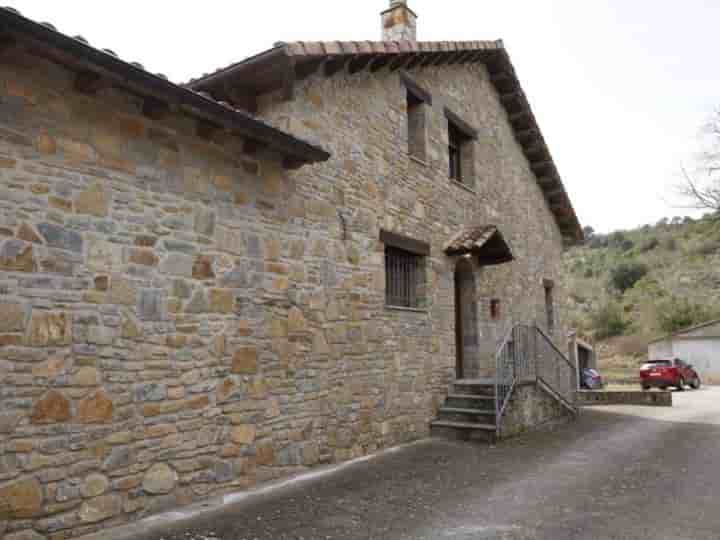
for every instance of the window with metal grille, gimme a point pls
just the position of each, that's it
(403, 278)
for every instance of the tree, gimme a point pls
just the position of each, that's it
(701, 187)
(608, 321)
(626, 275)
(589, 232)
(675, 314)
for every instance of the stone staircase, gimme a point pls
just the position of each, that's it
(468, 412)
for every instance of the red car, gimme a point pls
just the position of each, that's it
(665, 373)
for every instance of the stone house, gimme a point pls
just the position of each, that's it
(300, 259)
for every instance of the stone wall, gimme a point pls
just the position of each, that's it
(374, 183)
(531, 408)
(588, 398)
(180, 319)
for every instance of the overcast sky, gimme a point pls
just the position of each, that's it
(620, 87)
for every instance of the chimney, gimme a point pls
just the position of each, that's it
(399, 23)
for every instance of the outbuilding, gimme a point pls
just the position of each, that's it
(698, 346)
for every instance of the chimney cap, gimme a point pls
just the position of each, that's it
(394, 4)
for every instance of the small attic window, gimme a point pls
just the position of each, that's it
(418, 101)
(461, 151)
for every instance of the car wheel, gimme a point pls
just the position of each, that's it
(696, 384)
(681, 385)
(645, 388)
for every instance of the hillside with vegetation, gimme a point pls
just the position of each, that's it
(631, 286)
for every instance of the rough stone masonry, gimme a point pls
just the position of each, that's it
(181, 318)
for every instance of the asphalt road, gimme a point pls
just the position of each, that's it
(617, 473)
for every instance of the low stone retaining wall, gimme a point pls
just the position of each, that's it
(588, 398)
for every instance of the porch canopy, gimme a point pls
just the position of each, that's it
(486, 242)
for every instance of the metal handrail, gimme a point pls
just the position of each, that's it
(520, 357)
(552, 344)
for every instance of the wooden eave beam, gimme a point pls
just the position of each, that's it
(540, 165)
(456, 58)
(547, 182)
(502, 77)
(430, 59)
(207, 130)
(554, 193)
(89, 82)
(380, 62)
(517, 116)
(253, 147)
(443, 58)
(8, 45)
(288, 80)
(308, 68)
(400, 62)
(511, 97)
(524, 134)
(336, 65)
(415, 62)
(239, 98)
(534, 147)
(359, 63)
(155, 109)
(292, 163)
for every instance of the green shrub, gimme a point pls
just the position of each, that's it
(626, 275)
(649, 245)
(675, 314)
(669, 243)
(620, 241)
(609, 321)
(598, 242)
(706, 247)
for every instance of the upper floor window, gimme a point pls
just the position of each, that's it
(494, 309)
(461, 150)
(550, 305)
(418, 101)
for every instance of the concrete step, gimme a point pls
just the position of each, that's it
(463, 430)
(478, 387)
(461, 410)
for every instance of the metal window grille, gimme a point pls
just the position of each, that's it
(402, 278)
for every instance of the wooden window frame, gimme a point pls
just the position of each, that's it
(549, 288)
(495, 309)
(417, 101)
(461, 154)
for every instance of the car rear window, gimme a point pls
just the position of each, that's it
(657, 363)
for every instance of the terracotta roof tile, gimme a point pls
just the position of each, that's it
(492, 53)
(16, 21)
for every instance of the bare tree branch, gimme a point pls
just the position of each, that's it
(704, 194)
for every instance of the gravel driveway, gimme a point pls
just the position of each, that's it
(617, 473)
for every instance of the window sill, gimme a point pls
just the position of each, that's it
(463, 186)
(407, 309)
(418, 160)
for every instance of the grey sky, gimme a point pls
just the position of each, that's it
(620, 87)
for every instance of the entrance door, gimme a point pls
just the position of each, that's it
(466, 328)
